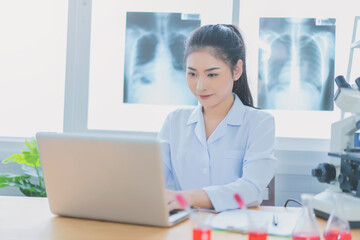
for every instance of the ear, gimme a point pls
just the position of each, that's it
(238, 70)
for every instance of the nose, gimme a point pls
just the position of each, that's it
(201, 84)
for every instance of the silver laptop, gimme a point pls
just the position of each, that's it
(105, 178)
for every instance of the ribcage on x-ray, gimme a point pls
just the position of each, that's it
(304, 51)
(176, 46)
(153, 72)
(296, 58)
(311, 64)
(147, 47)
(280, 56)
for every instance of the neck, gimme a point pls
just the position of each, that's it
(220, 110)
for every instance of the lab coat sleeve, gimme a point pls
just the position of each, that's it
(258, 169)
(164, 139)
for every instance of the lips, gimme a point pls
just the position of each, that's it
(203, 96)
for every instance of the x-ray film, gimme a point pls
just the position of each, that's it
(296, 63)
(154, 54)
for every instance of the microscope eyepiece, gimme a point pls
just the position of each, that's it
(357, 81)
(341, 82)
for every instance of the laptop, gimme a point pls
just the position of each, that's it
(106, 178)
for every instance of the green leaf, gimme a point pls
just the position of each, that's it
(17, 157)
(32, 190)
(29, 157)
(32, 146)
(23, 183)
(12, 179)
(30, 161)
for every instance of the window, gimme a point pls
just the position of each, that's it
(32, 63)
(107, 110)
(300, 123)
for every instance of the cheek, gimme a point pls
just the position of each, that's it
(190, 83)
(224, 83)
(230, 80)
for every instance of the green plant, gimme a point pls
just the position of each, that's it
(30, 161)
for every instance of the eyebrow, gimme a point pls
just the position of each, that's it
(207, 70)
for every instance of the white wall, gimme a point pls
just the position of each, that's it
(294, 174)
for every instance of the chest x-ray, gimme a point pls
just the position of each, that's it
(154, 54)
(296, 63)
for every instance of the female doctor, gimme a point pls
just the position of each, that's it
(224, 145)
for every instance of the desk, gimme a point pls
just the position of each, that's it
(30, 219)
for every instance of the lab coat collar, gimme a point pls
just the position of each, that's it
(236, 114)
(234, 117)
(196, 115)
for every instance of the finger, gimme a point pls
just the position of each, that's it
(170, 195)
(173, 205)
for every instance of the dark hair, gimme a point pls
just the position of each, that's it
(229, 45)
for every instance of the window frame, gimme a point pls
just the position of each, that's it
(78, 68)
(77, 84)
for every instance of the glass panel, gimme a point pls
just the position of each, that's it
(154, 30)
(32, 66)
(293, 122)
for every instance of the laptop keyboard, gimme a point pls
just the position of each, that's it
(174, 211)
(176, 216)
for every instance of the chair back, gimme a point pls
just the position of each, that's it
(269, 195)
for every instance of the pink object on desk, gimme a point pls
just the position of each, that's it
(181, 200)
(239, 200)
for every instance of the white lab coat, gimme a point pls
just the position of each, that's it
(238, 157)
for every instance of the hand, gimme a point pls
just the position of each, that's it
(172, 201)
(194, 198)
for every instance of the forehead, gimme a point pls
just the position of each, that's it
(204, 58)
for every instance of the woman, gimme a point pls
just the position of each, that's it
(224, 145)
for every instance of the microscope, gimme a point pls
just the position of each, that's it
(342, 171)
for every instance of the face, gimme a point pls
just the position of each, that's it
(210, 79)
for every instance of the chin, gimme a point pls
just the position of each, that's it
(206, 103)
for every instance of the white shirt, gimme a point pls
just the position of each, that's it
(238, 157)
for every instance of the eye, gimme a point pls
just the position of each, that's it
(191, 74)
(211, 75)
